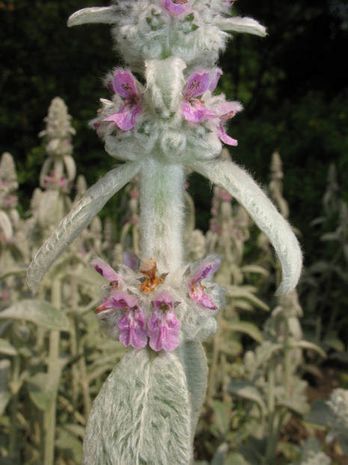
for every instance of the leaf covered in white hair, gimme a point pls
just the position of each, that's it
(242, 187)
(240, 24)
(78, 219)
(142, 414)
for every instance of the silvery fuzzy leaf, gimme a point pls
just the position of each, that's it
(51, 208)
(239, 24)
(70, 167)
(246, 328)
(241, 186)
(80, 216)
(311, 454)
(5, 225)
(93, 15)
(248, 391)
(42, 389)
(220, 455)
(194, 360)
(142, 414)
(320, 414)
(307, 345)
(39, 312)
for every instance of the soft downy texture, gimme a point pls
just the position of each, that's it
(142, 414)
(242, 187)
(78, 219)
(163, 310)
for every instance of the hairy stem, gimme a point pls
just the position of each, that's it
(162, 213)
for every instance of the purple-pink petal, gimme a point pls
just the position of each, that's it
(206, 269)
(197, 84)
(131, 260)
(132, 328)
(198, 294)
(214, 79)
(126, 118)
(106, 270)
(176, 7)
(124, 84)
(164, 331)
(196, 112)
(124, 301)
(163, 301)
(225, 138)
(200, 82)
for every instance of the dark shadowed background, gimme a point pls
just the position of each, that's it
(293, 85)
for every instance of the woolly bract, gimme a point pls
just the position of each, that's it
(141, 30)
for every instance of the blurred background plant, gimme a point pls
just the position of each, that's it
(269, 388)
(54, 358)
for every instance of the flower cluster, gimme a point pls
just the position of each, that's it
(144, 307)
(196, 113)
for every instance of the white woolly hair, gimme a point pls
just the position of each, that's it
(78, 219)
(242, 187)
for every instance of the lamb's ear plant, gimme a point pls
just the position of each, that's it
(333, 416)
(272, 387)
(159, 124)
(323, 279)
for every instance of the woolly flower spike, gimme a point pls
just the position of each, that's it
(143, 30)
(200, 288)
(176, 7)
(196, 110)
(163, 325)
(124, 85)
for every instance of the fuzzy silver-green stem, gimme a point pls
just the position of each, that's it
(162, 213)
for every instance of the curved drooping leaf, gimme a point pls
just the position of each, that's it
(80, 216)
(39, 312)
(241, 186)
(5, 393)
(248, 391)
(247, 328)
(142, 414)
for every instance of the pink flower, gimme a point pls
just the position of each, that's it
(131, 325)
(198, 285)
(163, 325)
(53, 181)
(106, 271)
(176, 7)
(125, 85)
(195, 110)
(132, 328)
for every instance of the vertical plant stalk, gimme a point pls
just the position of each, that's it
(272, 423)
(162, 213)
(13, 449)
(162, 229)
(54, 369)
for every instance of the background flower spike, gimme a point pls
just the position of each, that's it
(242, 187)
(93, 15)
(78, 219)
